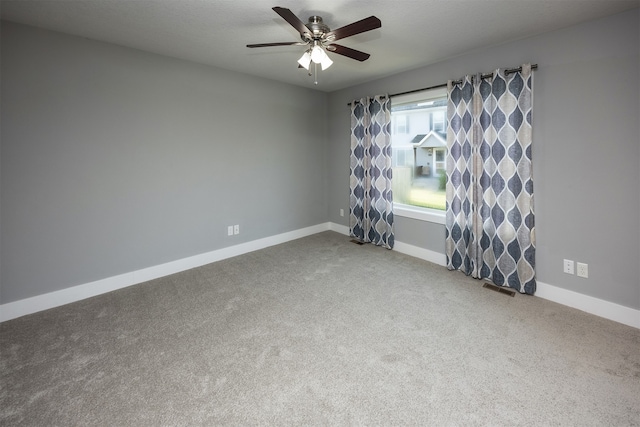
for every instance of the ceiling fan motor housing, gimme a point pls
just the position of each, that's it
(317, 27)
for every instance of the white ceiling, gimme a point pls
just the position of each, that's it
(414, 33)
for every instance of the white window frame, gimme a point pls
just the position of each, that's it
(416, 212)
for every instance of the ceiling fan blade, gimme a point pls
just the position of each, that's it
(292, 19)
(348, 52)
(277, 44)
(366, 24)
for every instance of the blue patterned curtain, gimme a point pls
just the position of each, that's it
(371, 201)
(490, 230)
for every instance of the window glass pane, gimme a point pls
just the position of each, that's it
(419, 150)
(438, 121)
(400, 124)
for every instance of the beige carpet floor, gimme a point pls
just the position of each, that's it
(317, 331)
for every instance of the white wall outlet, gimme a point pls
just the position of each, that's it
(341, 212)
(230, 230)
(236, 229)
(568, 266)
(583, 270)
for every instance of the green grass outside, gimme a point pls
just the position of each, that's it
(427, 198)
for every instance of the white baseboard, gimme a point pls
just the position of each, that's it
(422, 253)
(601, 308)
(598, 307)
(31, 305)
(338, 228)
(405, 248)
(12, 310)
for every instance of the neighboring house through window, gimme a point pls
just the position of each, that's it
(419, 152)
(400, 124)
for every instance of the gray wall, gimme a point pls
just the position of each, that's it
(586, 150)
(113, 160)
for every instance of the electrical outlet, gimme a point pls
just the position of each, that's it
(230, 230)
(583, 270)
(236, 229)
(568, 266)
(341, 212)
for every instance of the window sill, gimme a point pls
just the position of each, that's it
(422, 214)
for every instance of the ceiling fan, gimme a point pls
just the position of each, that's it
(320, 38)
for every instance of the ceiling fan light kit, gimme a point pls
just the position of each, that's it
(326, 61)
(305, 60)
(317, 55)
(319, 39)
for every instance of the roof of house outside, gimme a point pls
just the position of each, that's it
(416, 139)
(431, 140)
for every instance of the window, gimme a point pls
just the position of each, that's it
(403, 157)
(438, 120)
(419, 154)
(400, 124)
(439, 161)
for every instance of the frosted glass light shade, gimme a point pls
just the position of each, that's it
(317, 54)
(305, 60)
(326, 62)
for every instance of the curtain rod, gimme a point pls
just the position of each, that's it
(455, 82)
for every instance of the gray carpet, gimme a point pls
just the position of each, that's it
(317, 331)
